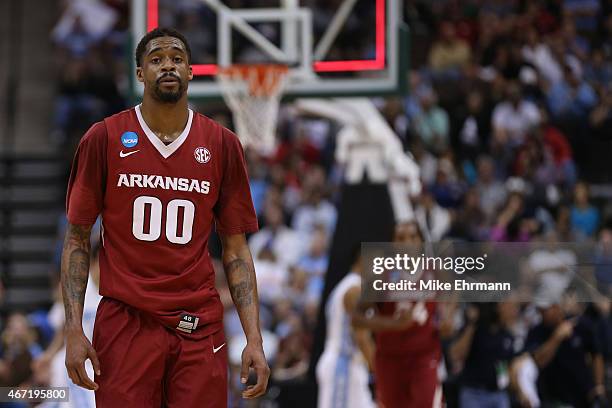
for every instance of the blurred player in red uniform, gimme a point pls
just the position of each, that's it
(160, 175)
(406, 363)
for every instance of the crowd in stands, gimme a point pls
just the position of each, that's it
(508, 116)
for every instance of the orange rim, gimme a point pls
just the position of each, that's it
(263, 79)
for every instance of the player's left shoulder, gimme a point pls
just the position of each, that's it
(207, 126)
(215, 132)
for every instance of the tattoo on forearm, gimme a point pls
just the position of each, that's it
(75, 270)
(240, 282)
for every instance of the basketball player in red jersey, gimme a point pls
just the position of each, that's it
(407, 360)
(160, 175)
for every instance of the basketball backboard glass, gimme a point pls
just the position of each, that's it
(315, 38)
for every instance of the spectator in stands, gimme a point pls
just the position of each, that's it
(492, 191)
(447, 190)
(513, 224)
(598, 70)
(87, 92)
(568, 355)
(282, 242)
(601, 117)
(563, 224)
(535, 163)
(485, 347)
(571, 99)
(284, 189)
(473, 127)
(602, 315)
(272, 276)
(583, 12)
(511, 64)
(82, 25)
(450, 53)
(603, 262)
(469, 222)
(18, 348)
(296, 287)
(552, 265)
(433, 220)
(538, 53)
(431, 125)
(75, 105)
(514, 117)
(584, 216)
(76, 41)
(283, 316)
(427, 162)
(315, 209)
(574, 42)
(598, 314)
(557, 145)
(257, 180)
(293, 357)
(314, 263)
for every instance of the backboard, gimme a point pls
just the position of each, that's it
(332, 47)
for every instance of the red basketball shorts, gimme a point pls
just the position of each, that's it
(143, 364)
(408, 381)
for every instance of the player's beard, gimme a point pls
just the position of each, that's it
(169, 96)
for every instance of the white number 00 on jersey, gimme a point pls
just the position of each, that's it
(155, 224)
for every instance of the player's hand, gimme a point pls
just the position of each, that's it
(79, 349)
(253, 356)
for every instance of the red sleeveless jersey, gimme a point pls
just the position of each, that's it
(158, 204)
(421, 338)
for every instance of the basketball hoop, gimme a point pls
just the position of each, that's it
(253, 93)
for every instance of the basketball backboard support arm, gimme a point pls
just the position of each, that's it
(229, 18)
(333, 29)
(364, 127)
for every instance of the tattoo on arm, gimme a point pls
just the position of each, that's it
(240, 282)
(75, 271)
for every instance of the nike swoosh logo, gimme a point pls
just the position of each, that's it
(215, 349)
(121, 154)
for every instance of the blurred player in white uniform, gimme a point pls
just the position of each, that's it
(343, 369)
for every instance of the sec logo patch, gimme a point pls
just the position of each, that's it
(129, 139)
(202, 155)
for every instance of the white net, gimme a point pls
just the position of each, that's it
(253, 93)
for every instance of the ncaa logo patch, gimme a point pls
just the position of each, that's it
(202, 155)
(129, 139)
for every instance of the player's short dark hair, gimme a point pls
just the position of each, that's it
(156, 33)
